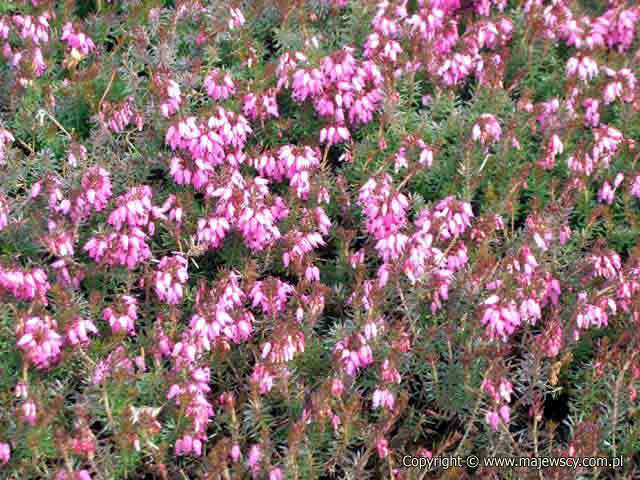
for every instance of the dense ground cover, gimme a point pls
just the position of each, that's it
(303, 239)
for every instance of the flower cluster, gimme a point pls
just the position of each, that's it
(39, 340)
(170, 278)
(79, 44)
(132, 225)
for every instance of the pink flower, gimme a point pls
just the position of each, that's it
(5, 139)
(635, 187)
(271, 294)
(122, 315)
(5, 453)
(235, 453)
(254, 458)
(187, 445)
(426, 155)
(620, 85)
(296, 164)
(25, 284)
(486, 130)
(283, 346)
(191, 395)
(118, 117)
(172, 98)
(39, 340)
(219, 314)
(4, 212)
(606, 264)
(219, 85)
(354, 353)
(260, 106)
(591, 115)
(383, 398)
(79, 43)
(211, 231)
(276, 474)
(170, 279)
(133, 208)
(500, 317)
(76, 152)
(116, 362)
(499, 391)
(607, 191)
(382, 446)
(263, 378)
(553, 149)
(493, 420)
(335, 134)
(593, 315)
(385, 213)
(337, 387)
(78, 332)
(551, 340)
(237, 19)
(455, 69)
(95, 192)
(584, 67)
(29, 412)
(22, 391)
(75, 475)
(33, 28)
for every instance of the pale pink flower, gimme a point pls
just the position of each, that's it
(25, 284)
(254, 458)
(122, 315)
(4, 212)
(79, 43)
(172, 99)
(33, 28)
(170, 279)
(607, 191)
(5, 139)
(553, 149)
(354, 353)
(606, 264)
(76, 152)
(219, 85)
(237, 19)
(334, 134)
(95, 193)
(263, 378)
(235, 453)
(271, 294)
(382, 446)
(5, 453)
(582, 66)
(74, 475)
(260, 106)
(551, 340)
(337, 387)
(501, 318)
(486, 130)
(187, 445)
(276, 474)
(29, 412)
(383, 398)
(635, 187)
(117, 117)
(39, 340)
(79, 330)
(591, 114)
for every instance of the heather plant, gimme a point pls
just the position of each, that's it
(305, 239)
